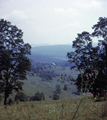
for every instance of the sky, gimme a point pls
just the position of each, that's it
(52, 21)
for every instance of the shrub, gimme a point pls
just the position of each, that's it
(20, 96)
(39, 96)
(55, 96)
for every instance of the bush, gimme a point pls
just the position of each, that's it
(20, 96)
(38, 97)
(55, 96)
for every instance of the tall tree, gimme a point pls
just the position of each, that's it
(13, 58)
(88, 58)
(83, 54)
(100, 31)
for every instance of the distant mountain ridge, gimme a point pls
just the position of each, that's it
(52, 50)
(50, 53)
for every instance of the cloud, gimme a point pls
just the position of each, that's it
(69, 11)
(52, 21)
(90, 5)
(72, 25)
(16, 15)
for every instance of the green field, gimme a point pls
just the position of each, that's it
(35, 83)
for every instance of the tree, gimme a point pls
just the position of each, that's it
(0, 98)
(58, 89)
(65, 87)
(55, 96)
(57, 92)
(20, 96)
(14, 62)
(83, 55)
(88, 58)
(39, 96)
(100, 31)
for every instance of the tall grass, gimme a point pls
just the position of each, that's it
(53, 110)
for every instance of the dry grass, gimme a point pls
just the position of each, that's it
(56, 110)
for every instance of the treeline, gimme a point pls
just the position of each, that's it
(22, 97)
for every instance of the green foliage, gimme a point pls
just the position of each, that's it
(13, 60)
(20, 96)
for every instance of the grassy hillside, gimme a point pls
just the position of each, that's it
(36, 83)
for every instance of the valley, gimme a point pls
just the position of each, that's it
(49, 69)
(47, 81)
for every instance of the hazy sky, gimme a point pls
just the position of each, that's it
(52, 21)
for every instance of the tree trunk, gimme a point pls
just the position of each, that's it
(94, 92)
(5, 100)
(6, 92)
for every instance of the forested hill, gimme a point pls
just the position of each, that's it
(52, 50)
(50, 53)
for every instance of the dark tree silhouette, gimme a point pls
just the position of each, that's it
(58, 89)
(39, 96)
(65, 87)
(55, 96)
(88, 58)
(100, 31)
(13, 58)
(20, 96)
(83, 55)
